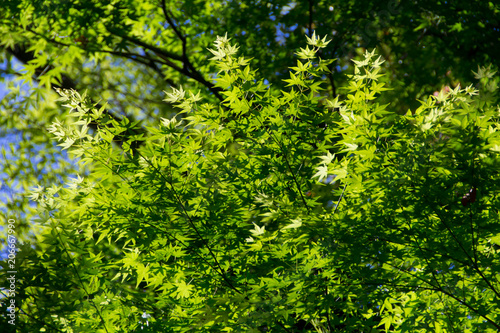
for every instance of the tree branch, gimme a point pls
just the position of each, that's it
(188, 68)
(311, 3)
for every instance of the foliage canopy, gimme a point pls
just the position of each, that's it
(125, 53)
(276, 211)
(273, 200)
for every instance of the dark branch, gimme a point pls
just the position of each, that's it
(188, 69)
(311, 3)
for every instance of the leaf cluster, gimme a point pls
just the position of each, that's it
(275, 210)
